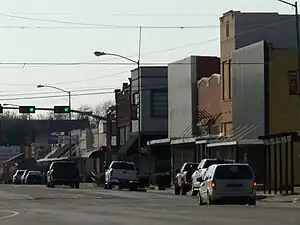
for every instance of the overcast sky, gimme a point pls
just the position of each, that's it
(43, 31)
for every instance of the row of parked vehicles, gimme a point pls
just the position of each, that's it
(59, 173)
(27, 177)
(216, 180)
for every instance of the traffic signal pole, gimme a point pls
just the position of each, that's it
(70, 118)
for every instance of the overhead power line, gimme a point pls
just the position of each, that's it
(110, 26)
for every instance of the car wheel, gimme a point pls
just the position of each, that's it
(194, 192)
(51, 185)
(200, 201)
(72, 185)
(209, 201)
(177, 190)
(252, 201)
(183, 190)
(77, 185)
(108, 186)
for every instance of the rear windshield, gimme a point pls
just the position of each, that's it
(233, 172)
(208, 163)
(66, 167)
(122, 166)
(190, 166)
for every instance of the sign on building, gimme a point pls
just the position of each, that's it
(293, 78)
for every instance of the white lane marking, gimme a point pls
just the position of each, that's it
(11, 214)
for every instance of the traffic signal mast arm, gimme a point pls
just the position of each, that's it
(52, 109)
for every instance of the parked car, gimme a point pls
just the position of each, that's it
(183, 179)
(34, 177)
(122, 174)
(228, 182)
(17, 177)
(200, 171)
(63, 173)
(24, 176)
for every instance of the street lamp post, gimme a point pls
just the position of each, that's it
(98, 53)
(70, 114)
(295, 6)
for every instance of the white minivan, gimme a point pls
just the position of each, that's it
(233, 182)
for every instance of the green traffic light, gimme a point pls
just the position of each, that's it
(66, 109)
(31, 110)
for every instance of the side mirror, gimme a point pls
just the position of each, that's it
(105, 167)
(177, 171)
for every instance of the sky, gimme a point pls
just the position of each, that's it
(40, 39)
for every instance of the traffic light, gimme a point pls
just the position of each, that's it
(26, 109)
(1, 108)
(62, 109)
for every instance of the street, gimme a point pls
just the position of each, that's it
(61, 206)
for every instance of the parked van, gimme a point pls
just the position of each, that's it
(226, 183)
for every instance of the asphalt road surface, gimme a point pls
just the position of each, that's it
(36, 205)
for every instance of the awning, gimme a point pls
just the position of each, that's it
(239, 142)
(183, 141)
(15, 158)
(128, 144)
(159, 141)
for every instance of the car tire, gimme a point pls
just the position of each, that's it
(200, 201)
(77, 185)
(209, 201)
(183, 190)
(48, 185)
(72, 186)
(252, 201)
(194, 192)
(51, 185)
(108, 186)
(177, 190)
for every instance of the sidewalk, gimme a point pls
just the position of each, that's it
(272, 198)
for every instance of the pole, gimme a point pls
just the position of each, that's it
(139, 103)
(298, 42)
(70, 118)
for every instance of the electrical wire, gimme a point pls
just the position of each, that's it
(112, 89)
(73, 95)
(111, 26)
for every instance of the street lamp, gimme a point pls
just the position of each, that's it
(70, 114)
(7, 104)
(295, 6)
(98, 53)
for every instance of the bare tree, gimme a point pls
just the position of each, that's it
(101, 109)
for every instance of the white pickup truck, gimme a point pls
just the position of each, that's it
(122, 174)
(183, 179)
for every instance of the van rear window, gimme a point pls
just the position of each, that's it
(233, 172)
(123, 166)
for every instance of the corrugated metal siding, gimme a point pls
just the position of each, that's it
(248, 89)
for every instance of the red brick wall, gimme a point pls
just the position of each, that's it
(209, 96)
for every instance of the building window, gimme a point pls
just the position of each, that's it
(136, 98)
(227, 29)
(223, 80)
(229, 80)
(159, 103)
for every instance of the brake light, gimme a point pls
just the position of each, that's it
(213, 184)
(254, 184)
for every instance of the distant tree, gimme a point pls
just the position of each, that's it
(101, 108)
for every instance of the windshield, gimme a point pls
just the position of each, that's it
(19, 172)
(233, 172)
(210, 162)
(123, 166)
(190, 166)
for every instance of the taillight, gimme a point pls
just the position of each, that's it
(254, 184)
(213, 184)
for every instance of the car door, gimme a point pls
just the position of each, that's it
(205, 184)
